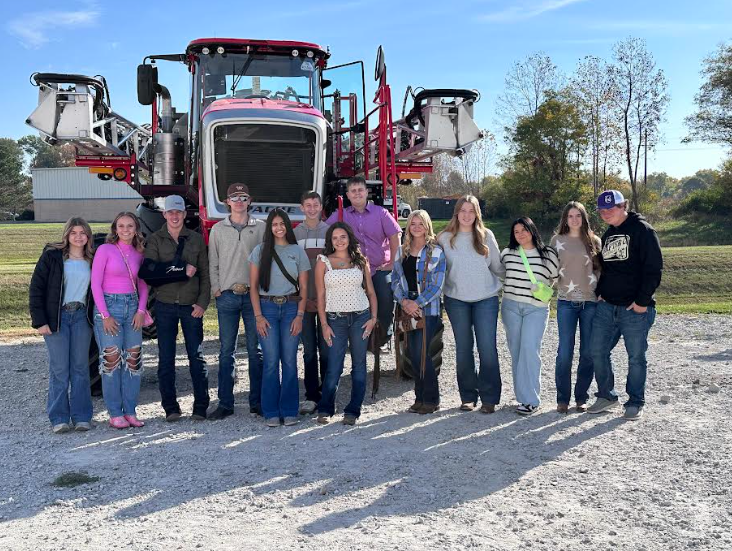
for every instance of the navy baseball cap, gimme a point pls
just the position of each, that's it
(609, 199)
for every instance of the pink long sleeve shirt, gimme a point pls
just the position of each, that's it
(109, 274)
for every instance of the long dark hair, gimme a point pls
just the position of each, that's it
(590, 240)
(268, 247)
(528, 223)
(354, 249)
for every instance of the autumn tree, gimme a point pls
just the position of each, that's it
(712, 121)
(640, 101)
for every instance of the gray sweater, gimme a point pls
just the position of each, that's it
(470, 276)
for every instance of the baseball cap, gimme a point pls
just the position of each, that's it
(237, 189)
(175, 202)
(609, 199)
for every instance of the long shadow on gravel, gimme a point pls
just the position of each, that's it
(399, 457)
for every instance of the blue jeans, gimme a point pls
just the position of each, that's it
(525, 325)
(68, 365)
(231, 308)
(610, 322)
(167, 317)
(347, 331)
(384, 299)
(279, 347)
(569, 314)
(314, 347)
(427, 389)
(479, 318)
(120, 384)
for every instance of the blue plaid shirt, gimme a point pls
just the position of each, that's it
(429, 297)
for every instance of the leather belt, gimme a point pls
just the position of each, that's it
(240, 288)
(73, 306)
(280, 299)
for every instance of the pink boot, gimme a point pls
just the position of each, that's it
(118, 423)
(134, 421)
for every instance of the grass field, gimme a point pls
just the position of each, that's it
(694, 278)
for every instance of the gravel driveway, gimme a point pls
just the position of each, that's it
(452, 480)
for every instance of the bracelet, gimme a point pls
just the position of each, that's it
(104, 317)
(258, 316)
(300, 314)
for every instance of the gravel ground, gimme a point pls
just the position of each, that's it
(452, 480)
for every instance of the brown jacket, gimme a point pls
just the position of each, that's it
(197, 290)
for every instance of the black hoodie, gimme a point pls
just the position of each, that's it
(631, 263)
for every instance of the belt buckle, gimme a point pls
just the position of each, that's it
(240, 288)
(279, 300)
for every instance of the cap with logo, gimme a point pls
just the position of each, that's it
(175, 202)
(237, 189)
(609, 199)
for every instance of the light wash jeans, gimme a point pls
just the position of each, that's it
(68, 366)
(525, 325)
(120, 385)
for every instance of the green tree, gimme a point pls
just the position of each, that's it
(714, 199)
(712, 121)
(42, 155)
(15, 188)
(543, 170)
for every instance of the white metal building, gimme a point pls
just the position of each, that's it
(60, 193)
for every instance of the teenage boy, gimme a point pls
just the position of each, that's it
(181, 302)
(378, 234)
(310, 236)
(631, 272)
(231, 242)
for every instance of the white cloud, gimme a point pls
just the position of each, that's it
(34, 29)
(526, 10)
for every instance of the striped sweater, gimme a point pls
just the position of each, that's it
(517, 285)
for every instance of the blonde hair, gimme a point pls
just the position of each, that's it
(63, 245)
(479, 230)
(138, 241)
(430, 237)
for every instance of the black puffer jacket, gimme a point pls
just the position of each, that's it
(46, 291)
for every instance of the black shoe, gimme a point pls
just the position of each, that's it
(172, 416)
(220, 413)
(256, 410)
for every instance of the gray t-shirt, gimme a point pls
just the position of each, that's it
(295, 262)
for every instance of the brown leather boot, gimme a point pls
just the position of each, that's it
(414, 408)
(428, 408)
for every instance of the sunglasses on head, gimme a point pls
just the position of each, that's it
(239, 198)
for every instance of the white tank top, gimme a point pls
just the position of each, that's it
(343, 289)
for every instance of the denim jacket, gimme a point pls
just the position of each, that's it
(429, 297)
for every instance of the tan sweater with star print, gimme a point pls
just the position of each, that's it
(577, 280)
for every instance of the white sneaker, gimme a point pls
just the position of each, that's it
(308, 407)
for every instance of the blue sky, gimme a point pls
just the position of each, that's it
(468, 44)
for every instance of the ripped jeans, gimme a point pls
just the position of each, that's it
(120, 356)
